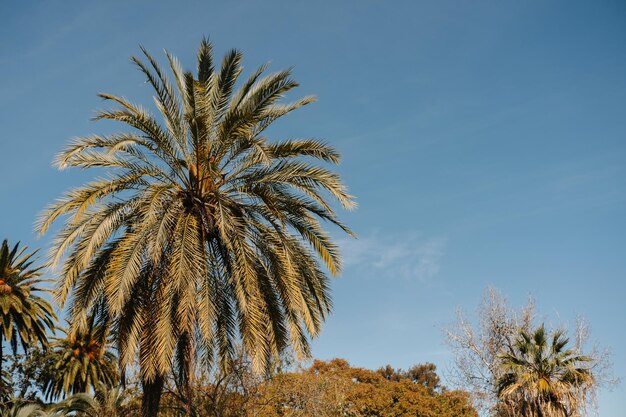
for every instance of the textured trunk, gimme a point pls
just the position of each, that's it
(189, 370)
(152, 391)
(186, 371)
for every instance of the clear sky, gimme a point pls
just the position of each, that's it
(485, 141)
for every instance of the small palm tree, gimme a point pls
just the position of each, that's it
(543, 378)
(205, 232)
(82, 361)
(25, 317)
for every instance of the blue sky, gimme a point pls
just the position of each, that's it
(485, 141)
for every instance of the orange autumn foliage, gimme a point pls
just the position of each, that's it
(334, 388)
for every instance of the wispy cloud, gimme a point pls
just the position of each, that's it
(408, 256)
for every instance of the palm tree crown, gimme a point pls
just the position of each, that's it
(81, 361)
(543, 378)
(203, 227)
(25, 316)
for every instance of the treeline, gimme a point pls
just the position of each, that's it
(329, 388)
(509, 366)
(324, 388)
(78, 373)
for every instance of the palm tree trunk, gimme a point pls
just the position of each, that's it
(1, 356)
(152, 390)
(3, 389)
(189, 371)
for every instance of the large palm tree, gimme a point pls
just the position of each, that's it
(543, 377)
(204, 231)
(25, 317)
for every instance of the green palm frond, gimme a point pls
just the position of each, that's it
(543, 378)
(25, 318)
(82, 362)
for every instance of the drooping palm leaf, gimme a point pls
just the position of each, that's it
(106, 401)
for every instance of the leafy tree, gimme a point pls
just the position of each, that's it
(334, 388)
(25, 316)
(30, 372)
(326, 388)
(203, 226)
(544, 377)
(424, 374)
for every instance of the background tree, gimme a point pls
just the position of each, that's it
(80, 362)
(31, 371)
(219, 392)
(544, 377)
(205, 230)
(424, 374)
(26, 317)
(479, 350)
(334, 388)
(325, 388)
(320, 390)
